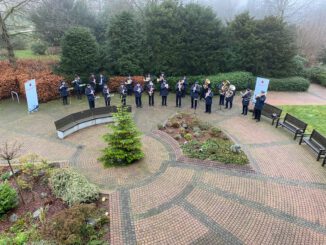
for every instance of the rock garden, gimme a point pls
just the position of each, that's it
(201, 140)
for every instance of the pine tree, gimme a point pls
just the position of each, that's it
(124, 145)
(79, 52)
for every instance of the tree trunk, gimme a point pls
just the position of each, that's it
(6, 39)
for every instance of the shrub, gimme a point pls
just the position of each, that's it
(240, 79)
(39, 48)
(317, 75)
(8, 198)
(5, 176)
(72, 187)
(160, 126)
(70, 226)
(215, 132)
(204, 125)
(188, 137)
(289, 84)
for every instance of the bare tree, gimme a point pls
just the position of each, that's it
(9, 8)
(9, 152)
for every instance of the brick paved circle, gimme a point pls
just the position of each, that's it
(169, 199)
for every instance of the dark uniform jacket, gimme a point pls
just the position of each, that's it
(164, 91)
(90, 94)
(209, 99)
(260, 101)
(138, 91)
(63, 90)
(194, 93)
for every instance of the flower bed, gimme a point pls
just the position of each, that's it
(201, 140)
(29, 223)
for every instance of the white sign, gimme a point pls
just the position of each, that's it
(261, 85)
(31, 95)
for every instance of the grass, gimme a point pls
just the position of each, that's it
(28, 54)
(314, 115)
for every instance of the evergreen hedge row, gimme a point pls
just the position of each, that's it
(316, 75)
(289, 84)
(242, 80)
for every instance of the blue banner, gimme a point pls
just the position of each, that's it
(261, 85)
(31, 95)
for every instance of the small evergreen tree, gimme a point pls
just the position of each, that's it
(124, 145)
(79, 52)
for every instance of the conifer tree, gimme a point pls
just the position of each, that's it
(124, 145)
(79, 52)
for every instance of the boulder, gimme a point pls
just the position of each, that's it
(13, 218)
(235, 148)
(37, 213)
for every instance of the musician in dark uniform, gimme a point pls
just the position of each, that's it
(259, 105)
(123, 94)
(151, 91)
(245, 101)
(92, 81)
(138, 90)
(208, 100)
(63, 89)
(78, 87)
(164, 91)
(179, 88)
(102, 80)
(90, 93)
(229, 98)
(106, 95)
(129, 85)
(194, 93)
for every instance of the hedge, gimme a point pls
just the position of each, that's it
(316, 75)
(241, 80)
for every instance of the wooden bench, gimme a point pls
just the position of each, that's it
(83, 119)
(292, 124)
(271, 112)
(317, 142)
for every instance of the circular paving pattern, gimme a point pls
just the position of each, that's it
(168, 199)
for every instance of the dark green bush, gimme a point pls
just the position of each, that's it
(39, 48)
(289, 84)
(240, 79)
(8, 198)
(317, 75)
(72, 187)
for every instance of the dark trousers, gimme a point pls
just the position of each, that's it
(208, 108)
(138, 101)
(107, 101)
(151, 100)
(244, 109)
(257, 113)
(123, 100)
(79, 94)
(164, 100)
(178, 100)
(228, 102)
(91, 104)
(194, 103)
(65, 100)
(221, 100)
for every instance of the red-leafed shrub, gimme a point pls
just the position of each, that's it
(47, 83)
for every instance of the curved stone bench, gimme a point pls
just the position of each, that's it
(84, 119)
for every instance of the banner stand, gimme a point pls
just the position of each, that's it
(31, 96)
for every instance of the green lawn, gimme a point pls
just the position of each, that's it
(28, 54)
(314, 115)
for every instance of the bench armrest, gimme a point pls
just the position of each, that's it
(301, 137)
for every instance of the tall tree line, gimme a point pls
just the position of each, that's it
(172, 37)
